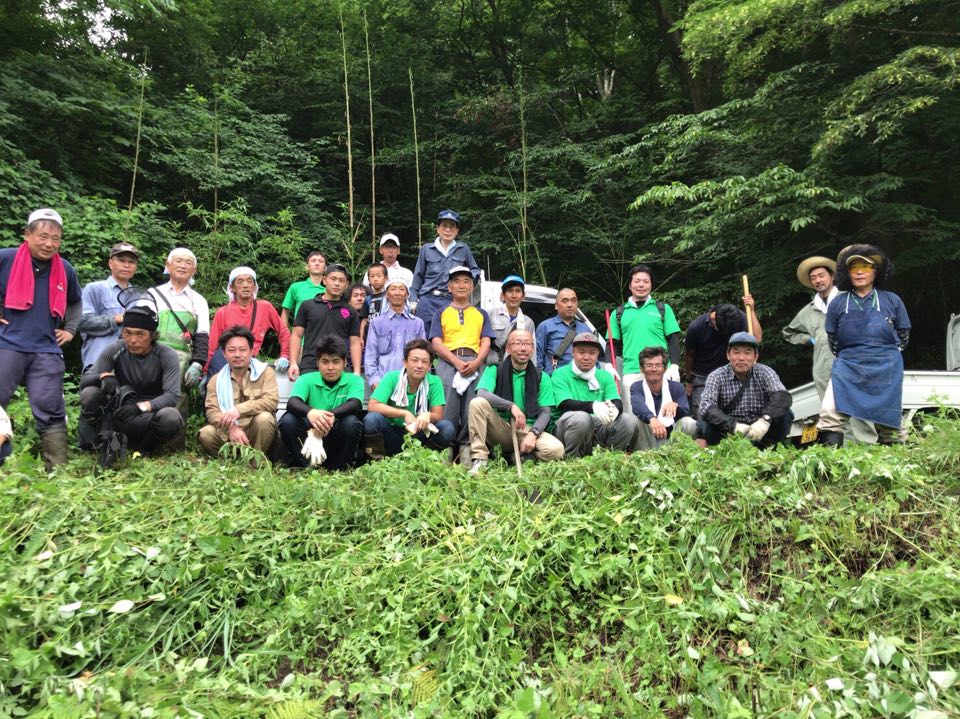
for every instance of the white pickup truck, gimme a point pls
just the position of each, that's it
(923, 390)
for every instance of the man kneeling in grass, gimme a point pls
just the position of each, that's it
(408, 401)
(242, 397)
(327, 403)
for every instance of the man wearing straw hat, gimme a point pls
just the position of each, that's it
(815, 273)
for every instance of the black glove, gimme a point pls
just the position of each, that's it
(109, 385)
(126, 413)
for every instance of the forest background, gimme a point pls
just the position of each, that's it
(575, 137)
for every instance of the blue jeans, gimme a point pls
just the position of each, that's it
(375, 423)
(777, 434)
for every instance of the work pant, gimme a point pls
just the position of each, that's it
(340, 443)
(489, 428)
(42, 374)
(859, 429)
(148, 432)
(5, 449)
(261, 430)
(777, 434)
(580, 432)
(684, 425)
(699, 382)
(457, 407)
(375, 423)
(428, 306)
(625, 384)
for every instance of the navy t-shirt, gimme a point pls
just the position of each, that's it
(32, 330)
(708, 345)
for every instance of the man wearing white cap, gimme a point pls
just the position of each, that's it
(40, 308)
(390, 252)
(102, 317)
(245, 310)
(389, 333)
(184, 318)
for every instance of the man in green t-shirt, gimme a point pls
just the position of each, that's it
(643, 322)
(327, 403)
(304, 289)
(588, 410)
(513, 396)
(407, 401)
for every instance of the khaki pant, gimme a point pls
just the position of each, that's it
(487, 427)
(261, 430)
(860, 430)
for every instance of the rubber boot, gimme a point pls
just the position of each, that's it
(54, 443)
(831, 439)
(87, 430)
(374, 447)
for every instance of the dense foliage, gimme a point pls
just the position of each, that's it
(729, 583)
(709, 138)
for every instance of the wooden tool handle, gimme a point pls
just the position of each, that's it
(749, 311)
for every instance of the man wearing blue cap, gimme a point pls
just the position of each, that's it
(744, 397)
(428, 292)
(508, 317)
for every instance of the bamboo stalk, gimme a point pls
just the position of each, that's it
(216, 158)
(136, 150)
(346, 96)
(416, 155)
(373, 152)
(746, 291)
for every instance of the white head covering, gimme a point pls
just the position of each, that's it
(234, 274)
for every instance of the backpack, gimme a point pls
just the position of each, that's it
(660, 307)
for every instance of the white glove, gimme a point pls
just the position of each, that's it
(612, 370)
(601, 410)
(758, 430)
(431, 428)
(741, 429)
(672, 373)
(614, 412)
(313, 450)
(282, 365)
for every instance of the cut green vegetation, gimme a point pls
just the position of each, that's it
(727, 583)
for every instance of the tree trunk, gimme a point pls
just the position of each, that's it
(674, 43)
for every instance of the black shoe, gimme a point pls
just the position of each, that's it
(831, 439)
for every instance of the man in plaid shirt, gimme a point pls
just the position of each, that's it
(745, 398)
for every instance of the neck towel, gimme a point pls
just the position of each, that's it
(591, 377)
(21, 284)
(665, 399)
(531, 386)
(225, 386)
(421, 402)
(822, 304)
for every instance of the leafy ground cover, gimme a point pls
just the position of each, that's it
(681, 583)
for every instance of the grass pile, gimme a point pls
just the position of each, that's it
(679, 583)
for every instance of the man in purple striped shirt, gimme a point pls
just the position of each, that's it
(389, 333)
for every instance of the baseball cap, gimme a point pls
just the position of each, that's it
(587, 338)
(47, 214)
(448, 215)
(124, 248)
(511, 280)
(389, 237)
(869, 260)
(743, 338)
(459, 270)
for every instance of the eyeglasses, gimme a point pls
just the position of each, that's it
(861, 267)
(659, 365)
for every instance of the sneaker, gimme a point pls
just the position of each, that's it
(477, 466)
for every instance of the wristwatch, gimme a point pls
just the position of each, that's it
(535, 432)
(767, 417)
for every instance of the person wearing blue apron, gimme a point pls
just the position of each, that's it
(867, 328)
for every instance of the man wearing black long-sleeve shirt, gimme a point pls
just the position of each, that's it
(745, 398)
(145, 376)
(329, 402)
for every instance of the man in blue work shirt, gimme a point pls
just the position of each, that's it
(555, 335)
(102, 317)
(429, 292)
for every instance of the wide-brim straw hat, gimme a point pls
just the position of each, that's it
(803, 271)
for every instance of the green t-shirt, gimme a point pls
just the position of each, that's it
(544, 397)
(566, 385)
(298, 293)
(315, 392)
(435, 394)
(641, 327)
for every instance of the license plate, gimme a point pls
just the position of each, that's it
(809, 434)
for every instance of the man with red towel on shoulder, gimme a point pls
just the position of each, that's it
(40, 308)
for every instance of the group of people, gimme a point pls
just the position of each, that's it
(407, 353)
